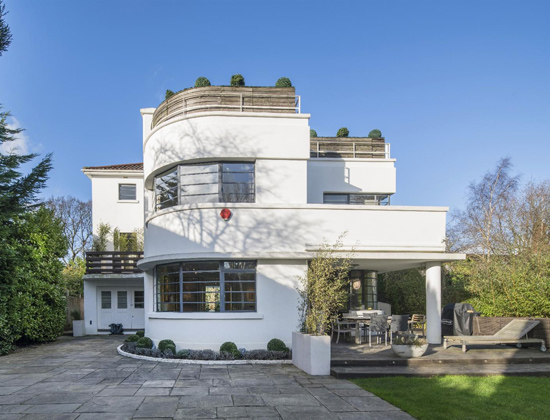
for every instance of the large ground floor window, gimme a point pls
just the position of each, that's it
(206, 286)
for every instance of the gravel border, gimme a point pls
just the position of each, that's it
(202, 362)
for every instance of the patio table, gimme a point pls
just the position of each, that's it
(358, 320)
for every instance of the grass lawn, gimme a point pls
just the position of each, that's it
(465, 397)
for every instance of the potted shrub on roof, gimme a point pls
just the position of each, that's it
(323, 293)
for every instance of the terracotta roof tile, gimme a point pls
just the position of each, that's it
(123, 167)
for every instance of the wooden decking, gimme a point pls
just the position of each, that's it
(353, 361)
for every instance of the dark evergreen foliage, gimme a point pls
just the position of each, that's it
(343, 132)
(237, 80)
(202, 81)
(313, 133)
(283, 82)
(276, 345)
(375, 134)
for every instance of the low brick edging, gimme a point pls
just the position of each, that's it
(202, 362)
(488, 325)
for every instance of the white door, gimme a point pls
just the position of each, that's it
(138, 311)
(117, 305)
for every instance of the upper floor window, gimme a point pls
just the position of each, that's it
(212, 182)
(127, 191)
(368, 199)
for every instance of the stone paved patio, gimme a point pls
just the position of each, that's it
(86, 379)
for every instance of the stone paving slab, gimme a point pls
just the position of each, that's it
(85, 379)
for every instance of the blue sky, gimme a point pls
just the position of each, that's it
(453, 85)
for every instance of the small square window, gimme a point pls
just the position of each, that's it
(122, 299)
(105, 299)
(138, 299)
(126, 191)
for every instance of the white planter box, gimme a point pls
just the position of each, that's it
(78, 329)
(311, 353)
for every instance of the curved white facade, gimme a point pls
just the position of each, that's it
(280, 230)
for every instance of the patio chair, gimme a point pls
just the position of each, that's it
(377, 325)
(399, 324)
(343, 327)
(512, 333)
(417, 322)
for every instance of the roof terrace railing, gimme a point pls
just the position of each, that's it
(357, 149)
(224, 98)
(107, 262)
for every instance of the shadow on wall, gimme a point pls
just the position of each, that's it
(196, 229)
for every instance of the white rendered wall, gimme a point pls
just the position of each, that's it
(225, 135)
(281, 181)
(90, 297)
(276, 316)
(126, 215)
(349, 176)
(254, 228)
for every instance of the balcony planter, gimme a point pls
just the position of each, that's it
(78, 328)
(409, 346)
(311, 353)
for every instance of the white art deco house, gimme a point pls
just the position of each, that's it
(237, 198)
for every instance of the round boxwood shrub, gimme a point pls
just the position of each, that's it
(312, 133)
(202, 81)
(183, 354)
(375, 134)
(144, 343)
(343, 132)
(231, 348)
(169, 348)
(283, 82)
(132, 338)
(276, 345)
(237, 80)
(140, 333)
(163, 343)
(168, 94)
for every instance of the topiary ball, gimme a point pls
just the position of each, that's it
(132, 338)
(169, 347)
(276, 345)
(163, 343)
(343, 132)
(168, 94)
(202, 81)
(144, 343)
(183, 354)
(140, 333)
(231, 348)
(312, 133)
(283, 82)
(237, 80)
(375, 134)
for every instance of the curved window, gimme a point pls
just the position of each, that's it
(212, 182)
(206, 286)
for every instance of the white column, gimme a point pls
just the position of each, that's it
(433, 302)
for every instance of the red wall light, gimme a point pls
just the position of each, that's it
(225, 214)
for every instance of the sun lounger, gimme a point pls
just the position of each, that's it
(512, 333)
